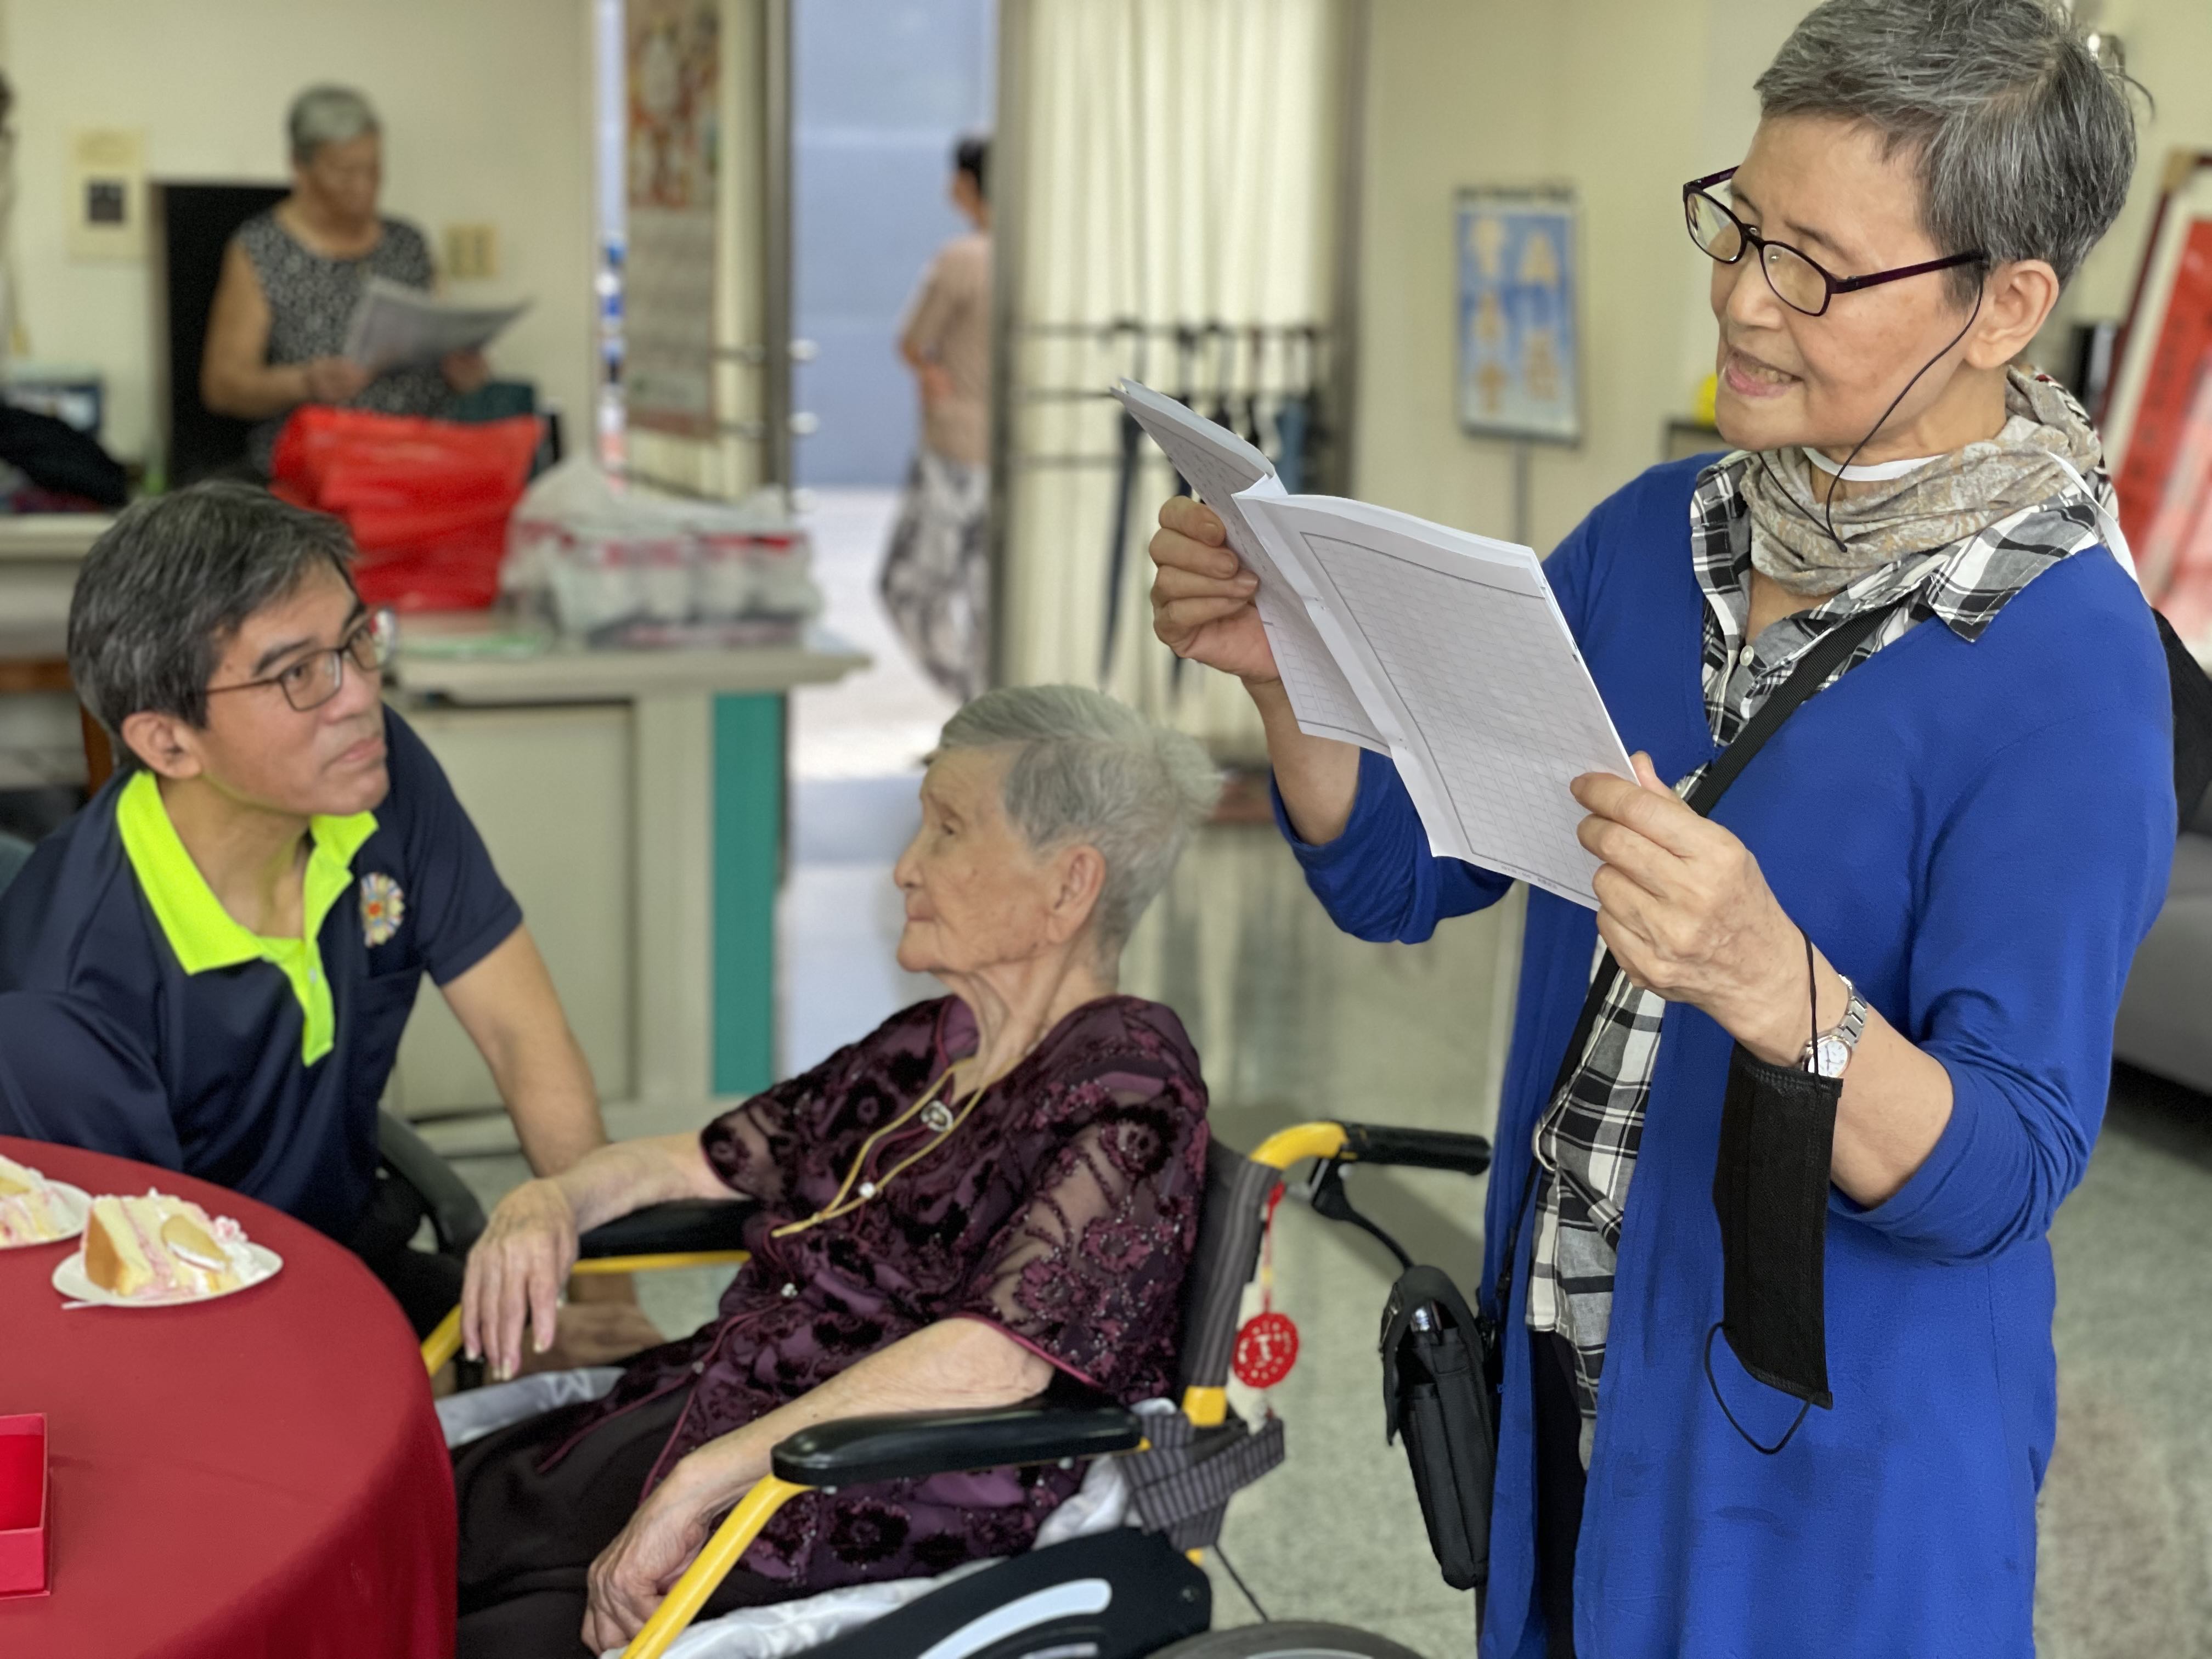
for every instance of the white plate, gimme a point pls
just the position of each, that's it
(76, 1201)
(262, 1264)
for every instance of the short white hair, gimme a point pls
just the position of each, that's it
(328, 115)
(1087, 771)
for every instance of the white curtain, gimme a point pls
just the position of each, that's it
(1176, 161)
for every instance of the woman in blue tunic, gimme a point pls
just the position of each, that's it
(1926, 890)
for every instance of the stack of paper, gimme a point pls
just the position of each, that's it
(395, 326)
(1444, 650)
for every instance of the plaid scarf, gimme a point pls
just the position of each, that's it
(1587, 1140)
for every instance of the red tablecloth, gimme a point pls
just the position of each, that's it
(259, 1477)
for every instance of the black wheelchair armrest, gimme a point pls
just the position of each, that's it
(679, 1227)
(1421, 1149)
(455, 1215)
(911, 1446)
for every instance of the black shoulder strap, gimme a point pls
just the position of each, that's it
(2192, 721)
(1829, 654)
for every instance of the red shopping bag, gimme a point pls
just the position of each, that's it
(427, 501)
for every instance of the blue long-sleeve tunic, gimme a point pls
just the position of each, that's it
(1978, 834)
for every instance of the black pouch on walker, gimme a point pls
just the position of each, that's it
(1435, 1394)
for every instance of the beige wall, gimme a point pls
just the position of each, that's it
(1598, 93)
(2169, 49)
(1625, 99)
(487, 110)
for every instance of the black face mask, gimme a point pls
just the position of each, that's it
(1771, 1193)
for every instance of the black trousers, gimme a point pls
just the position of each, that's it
(1560, 1481)
(528, 1539)
(426, 1286)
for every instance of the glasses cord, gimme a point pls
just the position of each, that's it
(1827, 519)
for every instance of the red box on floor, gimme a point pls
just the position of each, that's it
(24, 1504)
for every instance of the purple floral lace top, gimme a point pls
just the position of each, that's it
(1063, 1211)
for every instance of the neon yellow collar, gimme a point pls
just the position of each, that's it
(206, 936)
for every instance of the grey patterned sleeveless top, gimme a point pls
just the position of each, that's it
(311, 302)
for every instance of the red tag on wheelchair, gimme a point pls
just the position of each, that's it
(1267, 1343)
(1266, 1348)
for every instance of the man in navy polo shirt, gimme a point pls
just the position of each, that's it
(210, 967)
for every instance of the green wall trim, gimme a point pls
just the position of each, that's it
(747, 871)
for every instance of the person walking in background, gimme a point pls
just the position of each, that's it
(936, 582)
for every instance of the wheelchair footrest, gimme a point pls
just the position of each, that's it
(1120, 1594)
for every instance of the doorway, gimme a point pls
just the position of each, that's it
(881, 92)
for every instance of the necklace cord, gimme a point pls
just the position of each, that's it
(838, 1205)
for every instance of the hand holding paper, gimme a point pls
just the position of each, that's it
(1444, 650)
(1202, 595)
(1228, 472)
(395, 326)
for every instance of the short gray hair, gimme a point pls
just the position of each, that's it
(172, 580)
(1087, 771)
(327, 115)
(2024, 138)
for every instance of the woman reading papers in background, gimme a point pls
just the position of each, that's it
(1928, 887)
(292, 276)
(936, 579)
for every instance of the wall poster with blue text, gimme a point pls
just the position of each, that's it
(1519, 354)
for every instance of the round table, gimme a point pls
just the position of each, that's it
(257, 1477)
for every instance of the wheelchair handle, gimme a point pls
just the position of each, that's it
(1420, 1149)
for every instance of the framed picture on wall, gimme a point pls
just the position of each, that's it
(1520, 349)
(2158, 422)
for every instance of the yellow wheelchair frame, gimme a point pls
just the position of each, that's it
(1205, 1406)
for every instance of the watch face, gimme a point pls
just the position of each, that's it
(1831, 1055)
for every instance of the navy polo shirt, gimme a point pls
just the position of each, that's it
(136, 1017)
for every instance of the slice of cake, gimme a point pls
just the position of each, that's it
(30, 1212)
(160, 1249)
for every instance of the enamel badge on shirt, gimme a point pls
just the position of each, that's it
(383, 908)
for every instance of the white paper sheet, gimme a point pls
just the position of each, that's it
(395, 326)
(1458, 651)
(1222, 466)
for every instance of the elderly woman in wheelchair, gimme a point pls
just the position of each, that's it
(992, 1191)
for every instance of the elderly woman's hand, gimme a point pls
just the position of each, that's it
(1686, 913)
(648, 1556)
(515, 1275)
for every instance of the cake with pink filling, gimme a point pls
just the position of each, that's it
(160, 1249)
(31, 1211)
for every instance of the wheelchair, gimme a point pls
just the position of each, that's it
(1123, 1593)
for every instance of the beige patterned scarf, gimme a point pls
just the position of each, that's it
(1949, 498)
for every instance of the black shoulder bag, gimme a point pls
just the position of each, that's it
(1444, 1365)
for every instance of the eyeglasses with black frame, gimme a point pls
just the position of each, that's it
(314, 679)
(1798, 280)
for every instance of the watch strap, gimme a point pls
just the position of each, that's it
(1846, 1032)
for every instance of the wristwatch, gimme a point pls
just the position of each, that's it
(1829, 1052)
